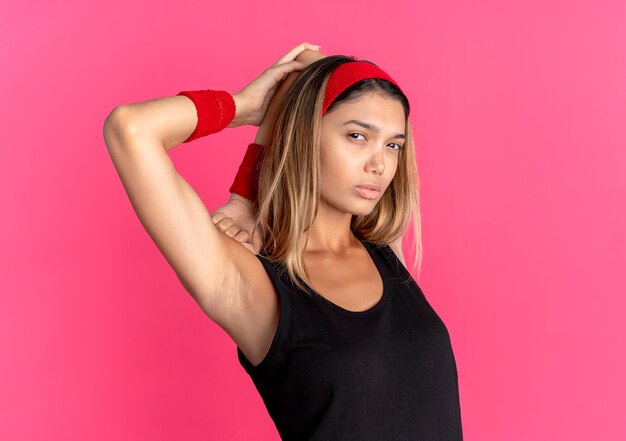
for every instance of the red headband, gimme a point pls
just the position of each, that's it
(349, 73)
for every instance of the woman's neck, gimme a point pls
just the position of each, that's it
(329, 233)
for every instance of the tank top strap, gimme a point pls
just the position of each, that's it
(390, 265)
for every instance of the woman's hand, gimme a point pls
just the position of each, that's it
(264, 133)
(236, 220)
(253, 100)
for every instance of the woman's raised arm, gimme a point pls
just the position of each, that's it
(170, 120)
(227, 281)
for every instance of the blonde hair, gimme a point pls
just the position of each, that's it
(289, 174)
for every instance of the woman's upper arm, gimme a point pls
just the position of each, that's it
(216, 270)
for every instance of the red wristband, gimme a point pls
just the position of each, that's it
(246, 180)
(216, 109)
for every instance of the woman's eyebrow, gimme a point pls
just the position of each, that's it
(371, 127)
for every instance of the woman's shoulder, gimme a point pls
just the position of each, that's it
(395, 246)
(390, 254)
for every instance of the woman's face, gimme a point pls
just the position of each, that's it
(353, 155)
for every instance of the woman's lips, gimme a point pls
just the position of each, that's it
(367, 193)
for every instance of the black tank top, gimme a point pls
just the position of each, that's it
(387, 373)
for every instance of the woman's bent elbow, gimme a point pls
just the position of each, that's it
(118, 125)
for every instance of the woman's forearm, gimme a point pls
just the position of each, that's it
(264, 132)
(170, 120)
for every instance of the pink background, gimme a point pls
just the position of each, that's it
(519, 115)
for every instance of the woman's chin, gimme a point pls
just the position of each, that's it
(364, 211)
(363, 207)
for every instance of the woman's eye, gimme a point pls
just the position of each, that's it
(357, 134)
(398, 146)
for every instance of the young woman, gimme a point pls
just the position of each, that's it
(335, 333)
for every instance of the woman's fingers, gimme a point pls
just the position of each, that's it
(257, 243)
(216, 217)
(280, 71)
(232, 231)
(242, 236)
(249, 247)
(227, 226)
(256, 96)
(293, 53)
(224, 222)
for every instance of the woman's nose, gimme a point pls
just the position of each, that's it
(376, 162)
